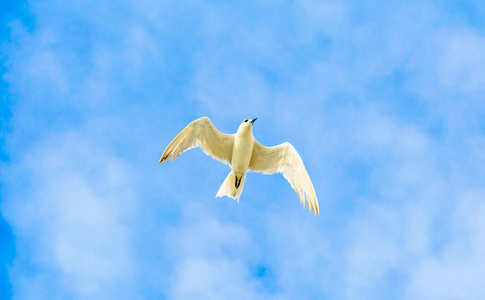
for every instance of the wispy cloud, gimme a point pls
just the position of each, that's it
(382, 100)
(72, 222)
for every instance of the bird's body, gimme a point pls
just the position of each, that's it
(242, 152)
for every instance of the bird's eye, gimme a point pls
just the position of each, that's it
(246, 120)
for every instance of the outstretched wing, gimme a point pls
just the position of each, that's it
(284, 159)
(203, 133)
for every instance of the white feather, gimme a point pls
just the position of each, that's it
(203, 133)
(243, 153)
(284, 159)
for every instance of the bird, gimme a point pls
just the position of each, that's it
(243, 153)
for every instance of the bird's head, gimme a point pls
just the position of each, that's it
(246, 125)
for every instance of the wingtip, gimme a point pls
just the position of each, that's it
(315, 209)
(164, 158)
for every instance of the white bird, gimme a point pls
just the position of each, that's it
(243, 153)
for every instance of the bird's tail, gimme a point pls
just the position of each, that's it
(228, 187)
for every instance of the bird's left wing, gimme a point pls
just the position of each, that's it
(284, 159)
(203, 133)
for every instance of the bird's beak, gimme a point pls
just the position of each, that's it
(253, 120)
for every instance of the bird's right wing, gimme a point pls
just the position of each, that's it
(284, 159)
(203, 133)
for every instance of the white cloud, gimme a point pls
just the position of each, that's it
(456, 270)
(94, 216)
(212, 258)
(73, 217)
(463, 52)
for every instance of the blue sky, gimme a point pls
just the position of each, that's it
(384, 101)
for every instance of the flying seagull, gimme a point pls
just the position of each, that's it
(243, 153)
